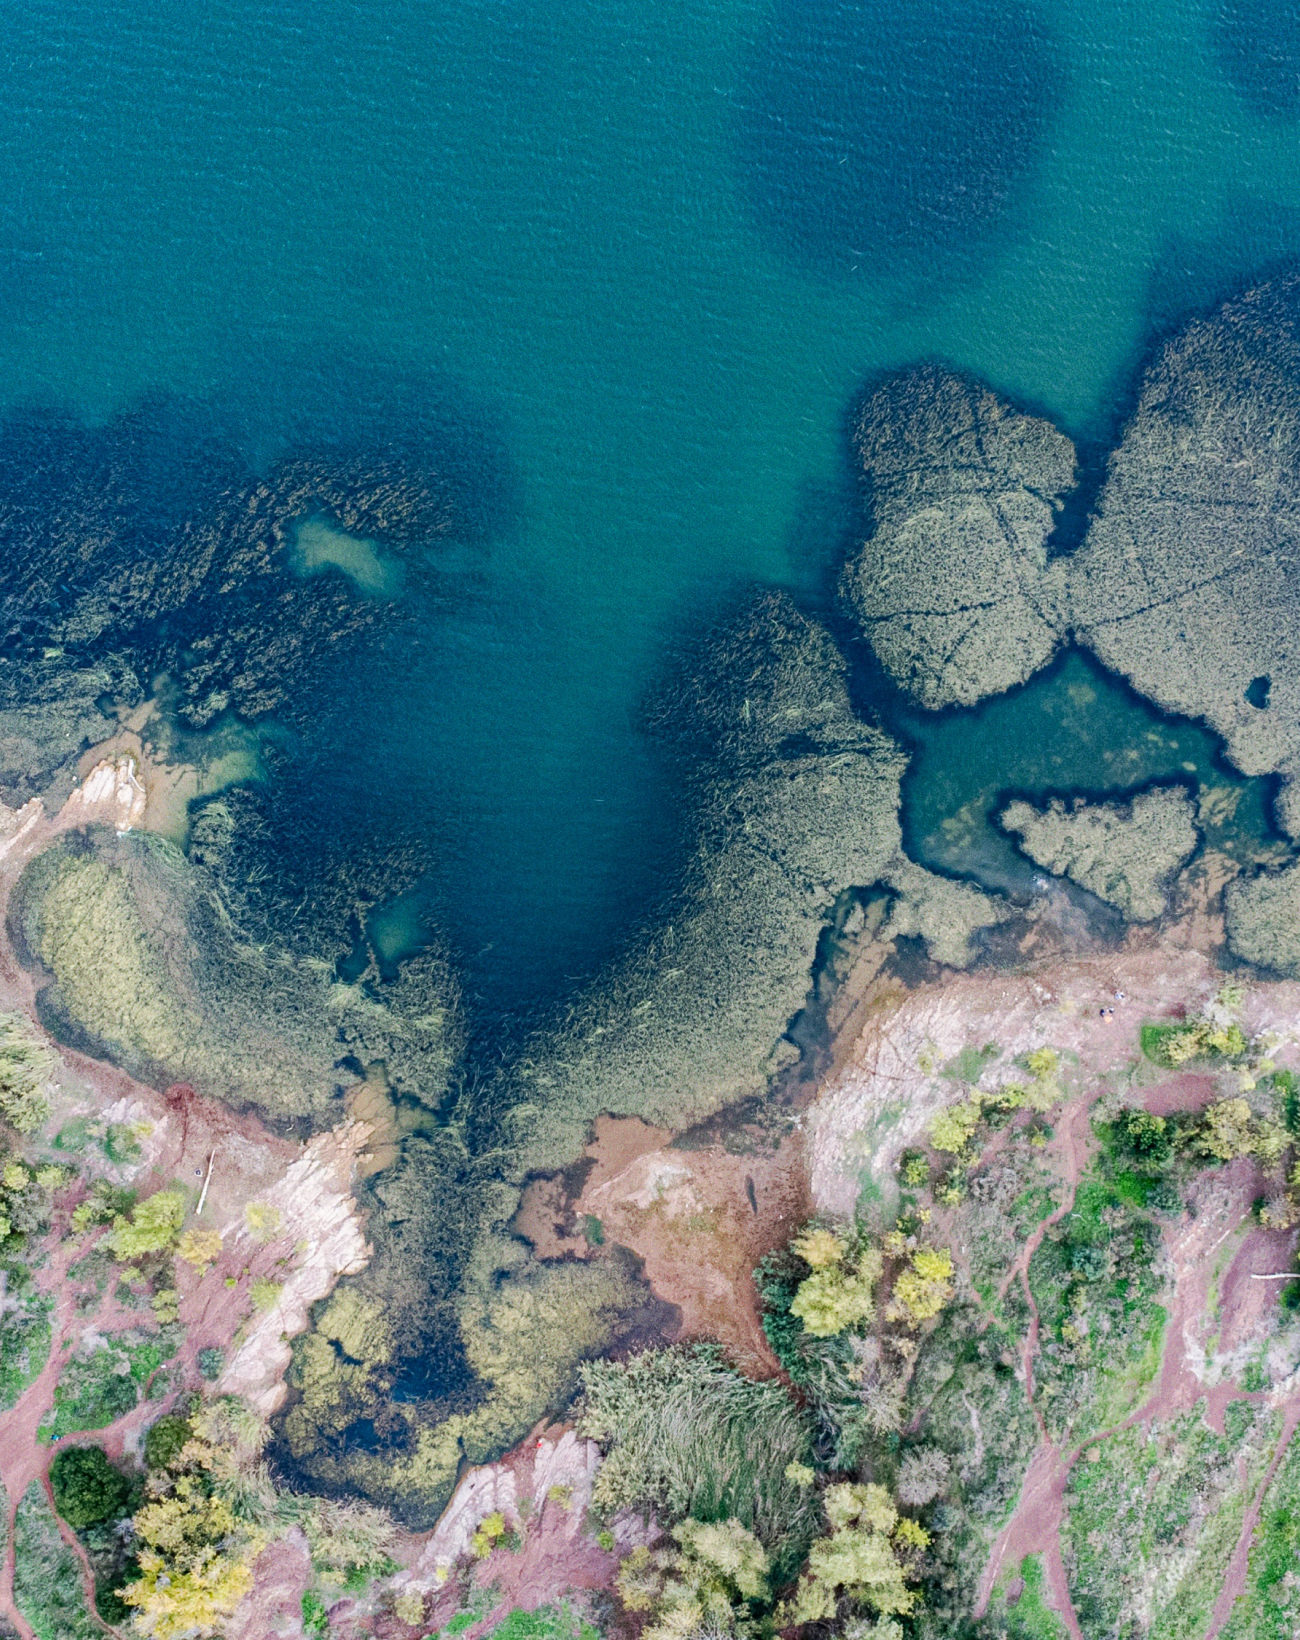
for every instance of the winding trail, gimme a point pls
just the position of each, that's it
(1234, 1581)
(1036, 1522)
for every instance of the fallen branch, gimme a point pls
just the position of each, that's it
(203, 1196)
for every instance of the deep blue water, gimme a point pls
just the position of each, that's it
(631, 262)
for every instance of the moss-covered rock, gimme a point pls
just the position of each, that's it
(953, 590)
(1263, 919)
(525, 1335)
(1125, 853)
(150, 966)
(797, 803)
(467, 1339)
(1188, 581)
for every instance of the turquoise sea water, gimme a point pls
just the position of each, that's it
(654, 248)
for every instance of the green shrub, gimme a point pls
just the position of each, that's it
(210, 1361)
(47, 1577)
(315, 1616)
(152, 1226)
(24, 1343)
(165, 1439)
(87, 1489)
(545, 1623)
(1143, 1137)
(93, 1391)
(121, 1145)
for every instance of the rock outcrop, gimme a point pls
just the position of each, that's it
(953, 590)
(1189, 579)
(1262, 916)
(1127, 854)
(149, 962)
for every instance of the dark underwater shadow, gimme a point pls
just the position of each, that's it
(342, 404)
(893, 140)
(1258, 47)
(1191, 277)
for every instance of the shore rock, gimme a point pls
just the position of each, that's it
(1189, 579)
(799, 803)
(1263, 919)
(150, 965)
(1127, 854)
(953, 590)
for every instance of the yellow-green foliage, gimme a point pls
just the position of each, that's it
(104, 1203)
(195, 1563)
(1202, 1039)
(199, 1247)
(26, 1065)
(952, 1130)
(265, 1293)
(152, 1226)
(923, 1288)
(819, 1247)
(408, 1607)
(862, 1560)
(165, 1304)
(708, 1581)
(263, 1220)
(24, 1201)
(840, 1291)
(1225, 1130)
(489, 1532)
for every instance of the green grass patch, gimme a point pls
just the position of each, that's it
(1031, 1618)
(93, 1392)
(24, 1345)
(315, 1616)
(971, 1063)
(1032, 1206)
(1271, 1603)
(48, 1587)
(546, 1623)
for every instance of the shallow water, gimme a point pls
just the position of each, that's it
(644, 253)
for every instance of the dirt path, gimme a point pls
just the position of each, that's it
(83, 1559)
(1222, 1204)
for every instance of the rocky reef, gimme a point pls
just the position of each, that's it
(1188, 581)
(1263, 919)
(796, 804)
(150, 964)
(953, 590)
(1127, 854)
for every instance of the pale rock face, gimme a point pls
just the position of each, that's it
(1125, 853)
(654, 1180)
(317, 1210)
(565, 1460)
(111, 794)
